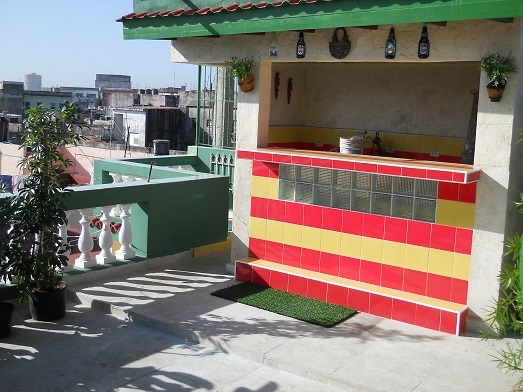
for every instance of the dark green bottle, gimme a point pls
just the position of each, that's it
(390, 45)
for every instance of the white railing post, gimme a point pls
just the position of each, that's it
(117, 177)
(85, 242)
(125, 235)
(62, 232)
(106, 238)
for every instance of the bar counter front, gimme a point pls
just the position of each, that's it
(387, 236)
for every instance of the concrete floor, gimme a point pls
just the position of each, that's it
(156, 328)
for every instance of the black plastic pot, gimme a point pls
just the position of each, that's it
(6, 313)
(48, 306)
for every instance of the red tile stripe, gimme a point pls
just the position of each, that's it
(428, 235)
(374, 303)
(398, 278)
(447, 175)
(370, 151)
(465, 193)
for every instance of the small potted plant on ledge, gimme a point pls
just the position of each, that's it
(497, 67)
(32, 251)
(241, 68)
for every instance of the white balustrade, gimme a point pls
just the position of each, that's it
(85, 242)
(117, 177)
(125, 235)
(106, 238)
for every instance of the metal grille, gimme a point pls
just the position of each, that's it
(216, 108)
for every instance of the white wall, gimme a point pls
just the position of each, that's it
(134, 122)
(427, 98)
(10, 155)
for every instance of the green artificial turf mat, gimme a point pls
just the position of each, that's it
(287, 304)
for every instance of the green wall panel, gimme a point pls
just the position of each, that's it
(170, 215)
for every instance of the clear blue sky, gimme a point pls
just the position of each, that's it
(69, 41)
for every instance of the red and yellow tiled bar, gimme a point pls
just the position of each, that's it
(404, 269)
(405, 145)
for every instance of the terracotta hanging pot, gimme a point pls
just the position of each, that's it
(496, 92)
(247, 83)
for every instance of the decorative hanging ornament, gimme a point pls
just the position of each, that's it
(339, 48)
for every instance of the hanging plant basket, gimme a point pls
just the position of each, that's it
(497, 67)
(246, 84)
(496, 92)
(241, 68)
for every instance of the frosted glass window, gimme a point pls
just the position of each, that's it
(399, 197)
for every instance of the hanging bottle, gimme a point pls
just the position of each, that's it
(424, 44)
(390, 45)
(300, 47)
(273, 49)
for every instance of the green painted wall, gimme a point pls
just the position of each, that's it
(317, 15)
(177, 210)
(171, 215)
(205, 165)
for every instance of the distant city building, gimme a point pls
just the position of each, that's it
(113, 81)
(33, 82)
(143, 97)
(141, 126)
(48, 99)
(12, 97)
(86, 97)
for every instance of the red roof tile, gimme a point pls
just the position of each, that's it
(208, 10)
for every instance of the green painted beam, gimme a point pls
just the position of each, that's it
(319, 15)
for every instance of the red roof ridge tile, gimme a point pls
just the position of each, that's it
(208, 10)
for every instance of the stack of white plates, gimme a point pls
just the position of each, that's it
(351, 145)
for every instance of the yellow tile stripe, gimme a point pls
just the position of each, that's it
(400, 142)
(432, 302)
(265, 187)
(434, 261)
(455, 213)
(448, 212)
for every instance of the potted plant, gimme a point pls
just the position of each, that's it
(6, 308)
(497, 67)
(241, 68)
(32, 250)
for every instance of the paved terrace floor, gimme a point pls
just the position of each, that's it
(158, 329)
